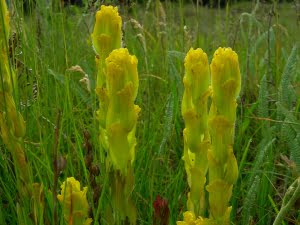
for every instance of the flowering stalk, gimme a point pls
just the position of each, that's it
(117, 85)
(223, 169)
(196, 137)
(222, 165)
(122, 87)
(106, 37)
(12, 125)
(74, 202)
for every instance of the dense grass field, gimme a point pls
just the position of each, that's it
(51, 50)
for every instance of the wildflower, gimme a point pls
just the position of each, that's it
(196, 138)
(226, 80)
(107, 33)
(223, 169)
(122, 113)
(74, 202)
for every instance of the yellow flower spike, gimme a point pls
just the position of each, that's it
(122, 87)
(117, 87)
(107, 34)
(121, 118)
(74, 202)
(223, 169)
(197, 73)
(121, 69)
(226, 80)
(196, 138)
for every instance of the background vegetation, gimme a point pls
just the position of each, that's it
(47, 40)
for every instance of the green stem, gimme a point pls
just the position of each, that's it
(291, 196)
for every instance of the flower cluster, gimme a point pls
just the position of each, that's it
(74, 202)
(209, 138)
(117, 88)
(196, 138)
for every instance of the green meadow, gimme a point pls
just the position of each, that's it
(51, 52)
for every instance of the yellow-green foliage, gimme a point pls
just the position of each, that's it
(213, 149)
(6, 84)
(12, 125)
(74, 202)
(196, 138)
(4, 22)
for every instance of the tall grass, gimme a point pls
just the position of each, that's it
(47, 40)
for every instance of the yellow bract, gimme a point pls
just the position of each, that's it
(121, 70)
(225, 67)
(74, 202)
(189, 218)
(226, 80)
(197, 76)
(107, 33)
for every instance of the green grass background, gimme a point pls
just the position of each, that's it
(48, 41)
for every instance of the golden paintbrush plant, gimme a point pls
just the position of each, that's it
(208, 139)
(116, 88)
(74, 202)
(122, 113)
(107, 33)
(196, 137)
(122, 86)
(107, 36)
(223, 169)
